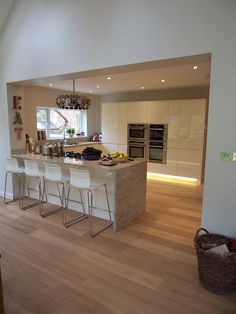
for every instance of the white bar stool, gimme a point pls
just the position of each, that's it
(33, 171)
(80, 179)
(53, 174)
(13, 168)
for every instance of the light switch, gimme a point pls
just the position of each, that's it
(226, 156)
(234, 156)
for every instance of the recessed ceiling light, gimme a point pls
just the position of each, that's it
(90, 91)
(163, 81)
(50, 84)
(195, 67)
(142, 87)
(109, 78)
(98, 86)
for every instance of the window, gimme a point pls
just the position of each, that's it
(56, 121)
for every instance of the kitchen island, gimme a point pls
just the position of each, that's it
(126, 185)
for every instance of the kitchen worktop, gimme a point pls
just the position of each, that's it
(80, 162)
(81, 144)
(126, 186)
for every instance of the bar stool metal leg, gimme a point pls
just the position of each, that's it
(44, 213)
(90, 209)
(76, 219)
(25, 184)
(19, 175)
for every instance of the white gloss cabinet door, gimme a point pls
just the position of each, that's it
(122, 123)
(157, 111)
(123, 149)
(192, 124)
(173, 124)
(190, 163)
(110, 122)
(137, 112)
(172, 162)
(110, 148)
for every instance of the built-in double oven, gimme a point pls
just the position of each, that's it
(157, 149)
(138, 136)
(138, 132)
(148, 141)
(137, 149)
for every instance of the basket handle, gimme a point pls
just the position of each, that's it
(197, 233)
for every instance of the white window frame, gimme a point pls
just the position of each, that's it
(82, 122)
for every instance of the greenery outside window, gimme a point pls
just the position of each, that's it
(55, 122)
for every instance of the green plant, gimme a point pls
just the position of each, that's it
(70, 131)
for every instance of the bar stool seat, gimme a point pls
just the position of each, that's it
(15, 169)
(80, 179)
(33, 171)
(53, 174)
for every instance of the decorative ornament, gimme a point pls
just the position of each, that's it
(17, 118)
(18, 132)
(17, 102)
(17, 122)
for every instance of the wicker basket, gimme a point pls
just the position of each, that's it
(216, 273)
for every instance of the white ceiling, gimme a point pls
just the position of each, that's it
(5, 6)
(177, 73)
(175, 77)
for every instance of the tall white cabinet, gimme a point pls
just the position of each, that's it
(186, 131)
(114, 126)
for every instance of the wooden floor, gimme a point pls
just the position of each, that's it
(149, 267)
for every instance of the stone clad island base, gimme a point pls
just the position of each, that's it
(126, 185)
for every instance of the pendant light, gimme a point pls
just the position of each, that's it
(73, 101)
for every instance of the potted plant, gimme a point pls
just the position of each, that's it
(70, 132)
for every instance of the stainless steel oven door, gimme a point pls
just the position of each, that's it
(137, 149)
(158, 132)
(138, 132)
(157, 152)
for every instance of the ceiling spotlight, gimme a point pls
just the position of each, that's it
(195, 67)
(142, 87)
(109, 78)
(90, 91)
(98, 86)
(51, 84)
(163, 81)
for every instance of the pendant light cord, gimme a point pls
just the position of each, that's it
(73, 86)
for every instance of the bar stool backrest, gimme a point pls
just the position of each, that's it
(53, 172)
(12, 165)
(31, 168)
(79, 178)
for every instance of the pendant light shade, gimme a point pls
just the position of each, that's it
(73, 101)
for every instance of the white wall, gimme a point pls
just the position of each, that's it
(44, 38)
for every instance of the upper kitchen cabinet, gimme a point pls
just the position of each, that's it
(192, 124)
(137, 112)
(157, 111)
(110, 123)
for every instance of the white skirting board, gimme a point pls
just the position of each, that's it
(8, 195)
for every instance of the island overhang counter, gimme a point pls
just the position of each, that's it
(126, 185)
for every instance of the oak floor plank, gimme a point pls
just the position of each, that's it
(149, 267)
